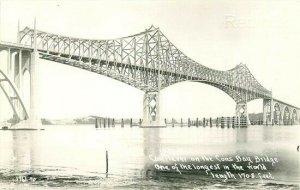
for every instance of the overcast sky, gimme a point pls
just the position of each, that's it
(264, 35)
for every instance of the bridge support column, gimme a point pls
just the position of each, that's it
(272, 112)
(151, 110)
(241, 111)
(268, 114)
(34, 88)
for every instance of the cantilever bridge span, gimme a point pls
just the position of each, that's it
(147, 61)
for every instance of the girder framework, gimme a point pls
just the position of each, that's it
(140, 59)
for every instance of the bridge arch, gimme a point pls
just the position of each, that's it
(236, 96)
(177, 97)
(13, 97)
(230, 92)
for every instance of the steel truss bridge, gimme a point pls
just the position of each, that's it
(148, 61)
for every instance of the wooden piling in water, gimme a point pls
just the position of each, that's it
(104, 122)
(217, 122)
(197, 122)
(130, 122)
(96, 123)
(122, 122)
(204, 123)
(113, 122)
(106, 162)
(189, 122)
(222, 122)
(210, 122)
(228, 122)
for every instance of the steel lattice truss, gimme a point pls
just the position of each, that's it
(147, 61)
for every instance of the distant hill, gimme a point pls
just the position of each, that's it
(255, 116)
(85, 120)
(80, 120)
(46, 122)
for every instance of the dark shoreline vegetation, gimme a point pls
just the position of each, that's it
(91, 120)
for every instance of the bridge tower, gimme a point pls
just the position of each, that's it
(151, 110)
(241, 111)
(151, 106)
(22, 60)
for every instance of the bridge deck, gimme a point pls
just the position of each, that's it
(15, 46)
(285, 103)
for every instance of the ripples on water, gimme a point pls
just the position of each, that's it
(73, 157)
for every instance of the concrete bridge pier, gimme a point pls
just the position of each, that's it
(241, 111)
(268, 114)
(151, 110)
